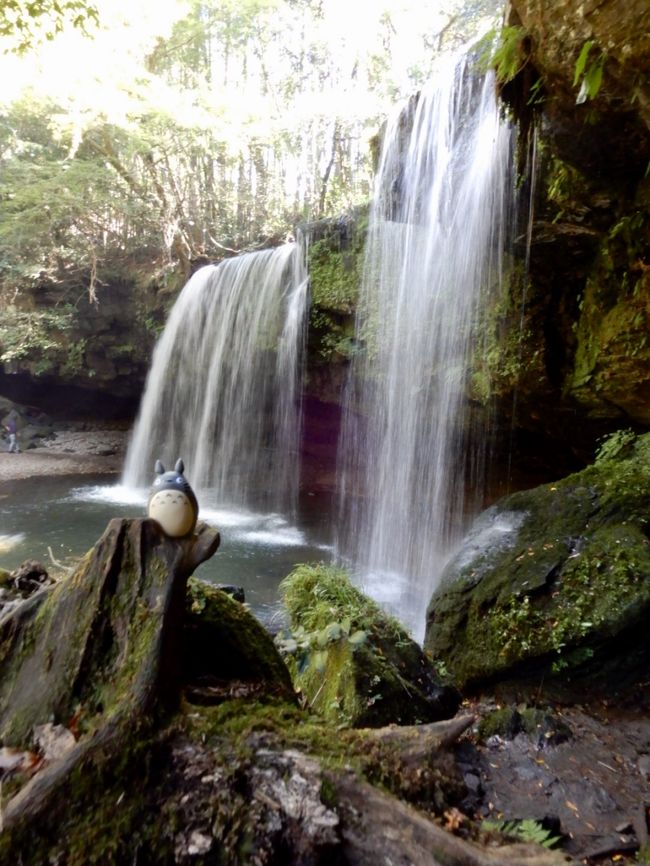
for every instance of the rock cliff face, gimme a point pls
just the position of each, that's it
(568, 336)
(61, 351)
(619, 31)
(566, 354)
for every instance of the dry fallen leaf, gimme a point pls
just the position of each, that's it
(15, 760)
(454, 819)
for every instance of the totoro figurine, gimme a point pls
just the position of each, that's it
(172, 502)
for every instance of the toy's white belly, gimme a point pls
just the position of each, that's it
(173, 511)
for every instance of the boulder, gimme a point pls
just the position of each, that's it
(33, 425)
(353, 663)
(223, 642)
(554, 583)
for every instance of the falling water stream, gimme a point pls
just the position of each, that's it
(224, 388)
(223, 391)
(435, 243)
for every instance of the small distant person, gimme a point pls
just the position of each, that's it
(12, 431)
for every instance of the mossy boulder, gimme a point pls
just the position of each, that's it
(554, 582)
(542, 725)
(223, 641)
(354, 664)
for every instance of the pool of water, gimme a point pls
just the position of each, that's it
(67, 515)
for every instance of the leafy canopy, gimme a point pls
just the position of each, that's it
(217, 125)
(23, 23)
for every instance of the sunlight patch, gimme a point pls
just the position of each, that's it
(9, 542)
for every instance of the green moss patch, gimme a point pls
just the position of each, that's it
(335, 263)
(355, 665)
(224, 641)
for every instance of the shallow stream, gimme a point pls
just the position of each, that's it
(67, 515)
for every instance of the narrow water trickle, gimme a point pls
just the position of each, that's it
(223, 391)
(437, 231)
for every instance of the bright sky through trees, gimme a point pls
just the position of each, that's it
(183, 127)
(83, 67)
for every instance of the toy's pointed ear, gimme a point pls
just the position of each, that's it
(159, 468)
(180, 466)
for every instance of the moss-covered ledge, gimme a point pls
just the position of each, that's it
(335, 255)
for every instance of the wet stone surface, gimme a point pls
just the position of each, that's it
(591, 787)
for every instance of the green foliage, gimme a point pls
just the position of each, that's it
(66, 216)
(219, 133)
(333, 334)
(335, 275)
(335, 264)
(311, 647)
(320, 595)
(630, 228)
(22, 333)
(537, 93)
(23, 23)
(615, 444)
(589, 73)
(564, 184)
(504, 51)
(643, 855)
(526, 830)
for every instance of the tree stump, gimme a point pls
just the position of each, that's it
(108, 634)
(102, 647)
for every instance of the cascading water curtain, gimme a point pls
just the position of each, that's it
(224, 387)
(436, 235)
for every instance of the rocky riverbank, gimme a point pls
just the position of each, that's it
(79, 450)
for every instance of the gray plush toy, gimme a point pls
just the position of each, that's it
(172, 502)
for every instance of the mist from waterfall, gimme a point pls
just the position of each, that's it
(223, 391)
(437, 230)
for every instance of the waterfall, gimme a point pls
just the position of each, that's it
(436, 234)
(223, 391)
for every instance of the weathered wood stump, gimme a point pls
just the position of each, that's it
(106, 637)
(103, 647)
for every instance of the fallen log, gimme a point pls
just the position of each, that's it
(377, 828)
